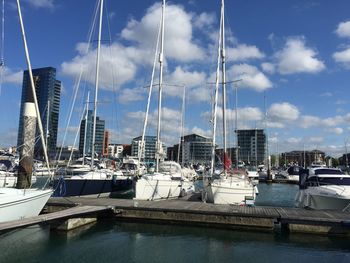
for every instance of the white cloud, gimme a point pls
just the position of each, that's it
(295, 57)
(315, 139)
(326, 94)
(129, 95)
(336, 130)
(178, 43)
(204, 20)
(308, 121)
(11, 77)
(293, 140)
(251, 77)
(283, 112)
(243, 52)
(343, 29)
(181, 77)
(116, 65)
(268, 67)
(197, 130)
(342, 57)
(42, 3)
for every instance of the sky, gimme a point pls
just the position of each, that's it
(292, 57)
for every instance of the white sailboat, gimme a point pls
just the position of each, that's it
(231, 187)
(21, 203)
(168, 181)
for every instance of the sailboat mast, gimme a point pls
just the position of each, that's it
(96, 86)
(181, 141)
(215, 102)
(236, 124)
(47, 122)
(86, 125)
(223, 76)
(40, 125)
(161, 57)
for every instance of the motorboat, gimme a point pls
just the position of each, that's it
(323, 188)
(168, 183)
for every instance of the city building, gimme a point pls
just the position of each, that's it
(150, 148)
(48, 92)
(195, 149)
(251, 146)
(87, 137)
(119, 150)
(302, 158)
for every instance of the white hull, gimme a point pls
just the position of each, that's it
(11, 180)
(293, 178)
(230, 191)
(324, 197)
(156, 189)
(8, 181)
(19, 203)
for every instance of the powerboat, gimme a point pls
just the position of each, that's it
(324, 188)
(168, 183)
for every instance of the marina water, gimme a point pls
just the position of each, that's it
(113, 241)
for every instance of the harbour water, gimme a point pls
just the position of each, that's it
(111, 241)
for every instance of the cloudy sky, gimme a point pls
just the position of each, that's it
(293, 59)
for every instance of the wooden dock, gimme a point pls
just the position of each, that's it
(191, 212)
(224, 216)
(56, 217)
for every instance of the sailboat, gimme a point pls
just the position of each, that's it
(167, 181)
(21, 203)
(229, 187)
(94, 182)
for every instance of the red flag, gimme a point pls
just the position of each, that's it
(227, 162)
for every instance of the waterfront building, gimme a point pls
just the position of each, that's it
(150, 148)
(195, 149)
(119, 150)
(99, 134)
(302, 158)
(48, 92)
(251, 146)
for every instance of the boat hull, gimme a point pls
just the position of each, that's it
(156, 189)
(18, 204)
(226, 192)
(90, 187)
(322, 199)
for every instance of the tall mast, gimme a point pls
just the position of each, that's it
(181, 142)
(142, 147)
(223, 76)
(96, 85)
(86, 125)
(2, 60)
(40, 125)
(47, 122)
(236, 124)
(161, 57)
(215, 102)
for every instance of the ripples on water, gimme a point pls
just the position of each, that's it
(110, 241)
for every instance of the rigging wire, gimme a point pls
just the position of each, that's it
(2, 60)
(115, 119)
(78, 80)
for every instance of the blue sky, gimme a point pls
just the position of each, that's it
(297, 53)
